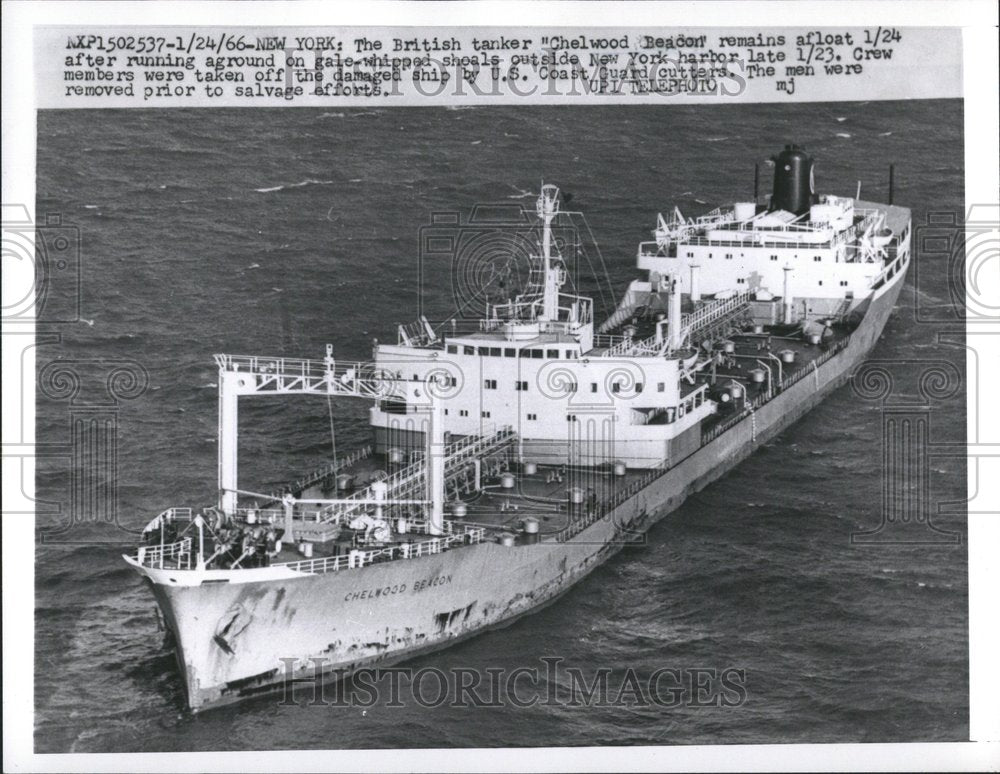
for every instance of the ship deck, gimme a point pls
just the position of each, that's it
(561, 498)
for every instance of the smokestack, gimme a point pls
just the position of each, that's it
(793, 181)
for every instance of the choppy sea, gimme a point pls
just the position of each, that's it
(277, 231)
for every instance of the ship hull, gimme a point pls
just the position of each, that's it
(236, 640)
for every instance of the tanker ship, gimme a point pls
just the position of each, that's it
(511, 455)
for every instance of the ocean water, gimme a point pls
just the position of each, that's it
(277, 231)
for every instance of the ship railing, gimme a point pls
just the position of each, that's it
(751, 405)
(170, 514)
(324, 472)
(710, 313)
(285, 374)
(176, 555)
(357, 559)
(889, 271)
(771, 236)
(604, 507)
(647, 347)
(606, 341)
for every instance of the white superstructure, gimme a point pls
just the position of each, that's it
(538, 365)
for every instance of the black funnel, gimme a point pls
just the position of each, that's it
(793, 181)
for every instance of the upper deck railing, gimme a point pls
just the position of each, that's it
(457, 535)
(773, 236)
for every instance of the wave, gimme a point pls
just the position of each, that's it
(301, 184)
(521, 193)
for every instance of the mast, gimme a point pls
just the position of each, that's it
(547, 207)
(434, 453)
(229, 385)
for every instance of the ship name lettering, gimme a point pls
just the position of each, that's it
(439, 580)
(385, 591)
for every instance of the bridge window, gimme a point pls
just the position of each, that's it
(484, 350)
(660, 386)
(509, 352)
(638, 387)
(491, 384)
(552, 354)
(616, 387)
(593, 386)
(538, 354)
(494, 351)
(469, 350)
(570, 354)
(452, 349)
